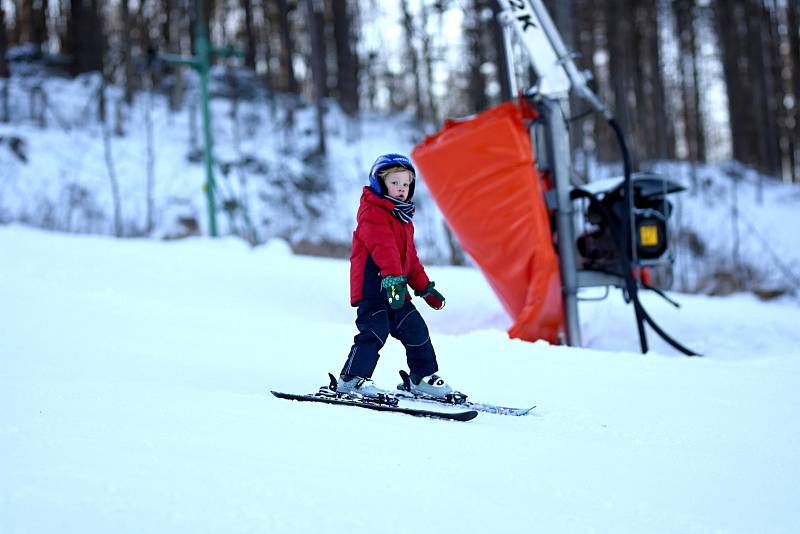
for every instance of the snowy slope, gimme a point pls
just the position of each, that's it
(133, 399)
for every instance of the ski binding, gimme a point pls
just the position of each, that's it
(456, 398)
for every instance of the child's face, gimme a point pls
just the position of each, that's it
(397, 183)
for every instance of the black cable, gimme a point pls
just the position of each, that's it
(627, 270)
(660, 293)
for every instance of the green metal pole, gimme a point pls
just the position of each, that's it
(201, 54)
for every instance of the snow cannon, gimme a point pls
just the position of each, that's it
(601, 215)
(504, 181)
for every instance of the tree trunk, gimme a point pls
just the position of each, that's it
(682, 10)
(149, 164)
(642, 118)
(3, 65)
(476, 85)
(498, 41)
(317, 73)
(322, 47)
(346, 60)
(85, 37)
(18, 32)
(411, 51)
(175, 24)
(793, 23)
(127, 42)
(761, 76)
(249, 35)
(287, 49)
(726, 18)
(664, 126)
(167, 19)
(4, 74)
(37, 20)
(269, 76)
(606, 148)
(427, 57)
(618, 32)
(699, 120)
(116, 197)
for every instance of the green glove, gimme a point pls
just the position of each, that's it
(395, 287)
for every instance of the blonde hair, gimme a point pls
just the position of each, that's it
(396, 168)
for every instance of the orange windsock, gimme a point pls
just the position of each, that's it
(481, 173)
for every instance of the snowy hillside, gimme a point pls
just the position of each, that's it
(58, 177)
(133, 398)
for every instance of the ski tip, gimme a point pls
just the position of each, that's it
(470, 415)
(524, 411)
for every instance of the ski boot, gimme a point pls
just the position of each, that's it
(431, 386)
(358, 386)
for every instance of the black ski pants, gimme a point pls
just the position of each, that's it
(375, 321)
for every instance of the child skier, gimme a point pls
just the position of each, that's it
(383, 260)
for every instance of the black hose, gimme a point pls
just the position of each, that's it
(641, 314)
(627, 270)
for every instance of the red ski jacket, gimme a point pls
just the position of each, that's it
(382, 246)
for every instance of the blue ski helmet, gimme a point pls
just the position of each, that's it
(384, 162)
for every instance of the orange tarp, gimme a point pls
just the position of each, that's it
(481, 173)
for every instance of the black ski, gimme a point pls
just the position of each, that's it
(384, 403)
(456, 399)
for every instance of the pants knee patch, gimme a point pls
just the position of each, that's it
(381, 331)
(412, 330)
(374, 324)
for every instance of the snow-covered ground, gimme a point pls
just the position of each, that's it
(133, 398)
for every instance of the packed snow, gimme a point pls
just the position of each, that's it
(134, 398)
(135, 373)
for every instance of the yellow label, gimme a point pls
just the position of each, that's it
(648, 236)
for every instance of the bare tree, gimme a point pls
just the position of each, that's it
(760, 72)
(320, 27)
(249, 34)
(289, 80)
(317, 72)
(663, 128)
(346, 59)
(411, 54)
(125, 52)
(621, 71)
(498, 41)
(116, 197)
(3, 65)
(4, 73)
(36, 12)
(793, 123)
(748, 34)
(176, 22)
(265, 34)
(85, 31)
(477, 80)
(429, 60)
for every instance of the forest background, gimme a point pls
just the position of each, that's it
(710, 84)
(695, 80)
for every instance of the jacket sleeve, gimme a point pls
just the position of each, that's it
(417, 278)
(375, 232)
